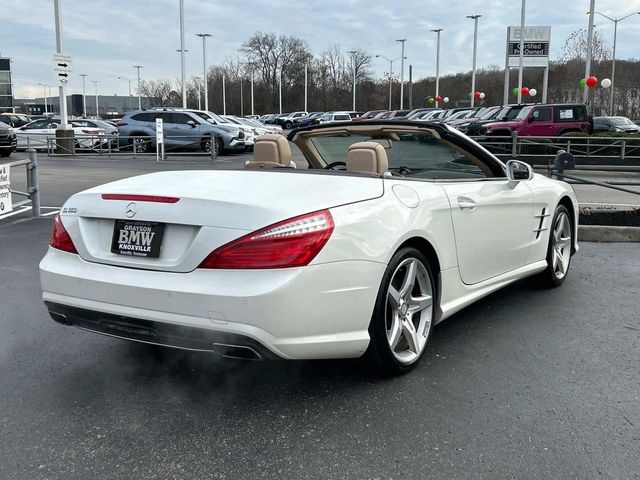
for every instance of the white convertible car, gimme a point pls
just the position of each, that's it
(393, 227)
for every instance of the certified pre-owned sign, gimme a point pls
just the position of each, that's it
(5, 190)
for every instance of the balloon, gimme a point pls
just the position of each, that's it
(605, 83)
(430, 99)
(515, 91)
(583, 82)
(476, 94)
(482, 95)
(524, 91)
(533, 92)
(591, 82)
(445, 99)
(438, 98)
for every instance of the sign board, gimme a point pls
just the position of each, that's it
(159, 131)
(536, 46)
(62, 68)
(5, 190)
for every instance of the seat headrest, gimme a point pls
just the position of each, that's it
(367, 157)
(271, 150)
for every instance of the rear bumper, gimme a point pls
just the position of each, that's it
(314, 312)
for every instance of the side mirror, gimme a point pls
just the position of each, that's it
(211, 121)
(191, 123)
(517, 170)
(531, 119)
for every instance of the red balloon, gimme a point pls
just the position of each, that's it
(524, 91)
(438, 98)
(476, 94)
(591, 82)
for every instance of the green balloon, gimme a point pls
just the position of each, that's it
(583, 82)
(430, 100)
(515, 91)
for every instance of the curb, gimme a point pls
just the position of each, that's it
(600, 233)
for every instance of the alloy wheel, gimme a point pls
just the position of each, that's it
(561, 245)
(409, 310)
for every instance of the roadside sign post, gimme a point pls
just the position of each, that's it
(6, 205)
(159, 140)
(535, 53)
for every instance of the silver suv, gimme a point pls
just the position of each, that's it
(182, 129)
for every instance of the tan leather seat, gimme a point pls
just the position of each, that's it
(271, 151)
(367, 157)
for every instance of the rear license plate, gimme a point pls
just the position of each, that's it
(139, 239)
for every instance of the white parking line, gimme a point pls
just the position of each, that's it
(15, 212)
(49, 213)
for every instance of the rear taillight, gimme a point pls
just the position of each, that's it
(89, 132)
(121, 124)
(60, 238)
(292, 243)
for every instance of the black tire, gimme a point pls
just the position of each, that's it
(220, 143)
(140, 144)
(379, 355)
(549, 277)
(288, 125)
(206, 144)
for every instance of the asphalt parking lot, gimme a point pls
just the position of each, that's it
(524, 384)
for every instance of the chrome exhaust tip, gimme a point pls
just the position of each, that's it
(237, 352)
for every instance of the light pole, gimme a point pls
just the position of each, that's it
(44, 89)
(241, 99)
(353, 66)
(613, 64)
(587, 68)
(182, 58)
(84, 95)
(204, 68)
(198, 90)
(64, 125)
(280, 90)
(390, 74)
(306, 68)
(475, 51)
(521, 53)
(129, 81)
(224, 96)
(138, 67)
(96, 84)
(402, 40)
(252, 94)
(437, 31)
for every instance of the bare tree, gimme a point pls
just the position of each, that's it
(157, 90)
(575, 47)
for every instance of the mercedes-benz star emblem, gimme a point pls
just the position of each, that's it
(131, 210)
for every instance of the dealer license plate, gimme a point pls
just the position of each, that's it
(139, 239)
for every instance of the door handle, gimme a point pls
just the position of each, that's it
(466, 203)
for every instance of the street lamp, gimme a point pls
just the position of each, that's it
(587, 68)
(84, 96)
(129, 81)
(204, 68)
(437, 31)
(44, 89)
(390, 74)
(138, 67)
(521, 53)
(96, 84)
(353, 66)
(613, 64)
(182, 59)
(475, 51)
(402, 57)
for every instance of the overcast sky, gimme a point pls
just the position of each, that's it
(105, 38)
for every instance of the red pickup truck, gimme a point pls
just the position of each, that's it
(544, 121)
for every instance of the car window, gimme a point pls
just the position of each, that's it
(37, 125)
(621, 121)
(542, 114)
(524, 113)
(181, 118)
(342, 117)
(414, 155)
